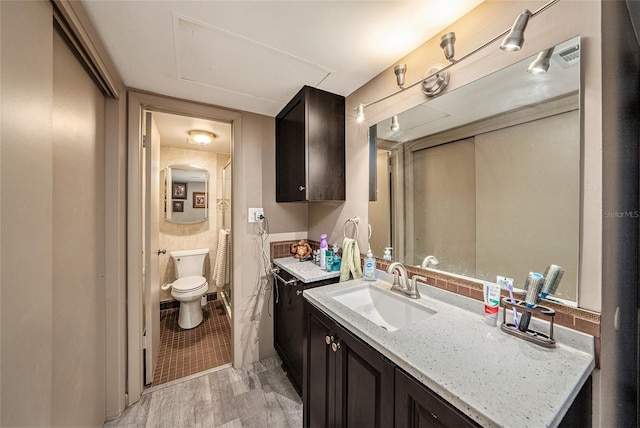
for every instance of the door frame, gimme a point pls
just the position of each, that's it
(136, 103)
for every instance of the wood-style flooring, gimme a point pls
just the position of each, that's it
(258, 395)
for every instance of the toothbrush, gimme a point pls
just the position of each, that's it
(533, 286)
(515, 312)
(552, 277)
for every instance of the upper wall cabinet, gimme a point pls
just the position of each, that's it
(310, 144)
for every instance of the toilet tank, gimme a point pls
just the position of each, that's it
(189, 262)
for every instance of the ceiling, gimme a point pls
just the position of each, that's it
(174, 132)
(255, 55)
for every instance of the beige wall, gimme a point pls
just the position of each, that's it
(26, 314)
(379, 210)
(444, 206)
(54, 290)
(510, 177)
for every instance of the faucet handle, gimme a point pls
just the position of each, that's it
(416, 278)
(396, 277)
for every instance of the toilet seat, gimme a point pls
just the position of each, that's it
(189, 284)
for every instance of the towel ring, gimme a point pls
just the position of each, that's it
(355, 221)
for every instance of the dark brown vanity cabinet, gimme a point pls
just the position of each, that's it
(418, 407)
(346, 383)
(310, 148)
(288, 329)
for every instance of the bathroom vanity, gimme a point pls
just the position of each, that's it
(292, 279)
(443, 366)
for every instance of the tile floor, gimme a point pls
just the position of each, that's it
(185, 352)
(257, 396)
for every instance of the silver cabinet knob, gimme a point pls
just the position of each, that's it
(298, 292)
(335, 346)
(301, 188)
(328, 339)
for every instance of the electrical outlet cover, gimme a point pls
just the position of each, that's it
(503, 282)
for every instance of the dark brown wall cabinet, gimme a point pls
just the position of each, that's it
(310, 148)
(346, 383)
(287, 323)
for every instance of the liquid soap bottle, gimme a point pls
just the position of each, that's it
(369, 271)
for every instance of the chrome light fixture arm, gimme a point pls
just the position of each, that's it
(360, 108)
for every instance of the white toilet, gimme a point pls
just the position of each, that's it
(190, 285)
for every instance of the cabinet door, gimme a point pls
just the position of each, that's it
(288, 330)
(326, 147)
(365, 382)
(291, 162)
(318, 383)
(417, 406)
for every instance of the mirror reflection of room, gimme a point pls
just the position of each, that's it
(492, 189)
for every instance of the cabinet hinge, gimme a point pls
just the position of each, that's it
(144, 141)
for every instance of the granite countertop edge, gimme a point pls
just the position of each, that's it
(480, 388)
(306, 272)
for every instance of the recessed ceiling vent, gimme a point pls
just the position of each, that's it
(568, 56)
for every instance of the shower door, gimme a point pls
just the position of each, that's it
(226, 220)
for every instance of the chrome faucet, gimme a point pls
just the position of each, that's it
(401, 283)
(427, 260)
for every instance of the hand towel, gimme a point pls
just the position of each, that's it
(221, 268)
(350, 267)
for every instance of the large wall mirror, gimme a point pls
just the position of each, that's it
(486, 178)
(186, 194)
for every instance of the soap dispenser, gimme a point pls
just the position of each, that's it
(369, 271)
(336, 258)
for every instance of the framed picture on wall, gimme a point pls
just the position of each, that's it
(178, 206)
(179, 190)
(199, 200)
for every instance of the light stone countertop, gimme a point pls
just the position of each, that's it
(496, 379)
(305, 271)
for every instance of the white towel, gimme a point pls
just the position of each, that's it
(350, 267)
(221, 268)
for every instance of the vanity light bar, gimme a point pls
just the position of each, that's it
(361, 106)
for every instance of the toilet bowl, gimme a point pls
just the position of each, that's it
(190, 285)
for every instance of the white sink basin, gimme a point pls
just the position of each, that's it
(384, 308)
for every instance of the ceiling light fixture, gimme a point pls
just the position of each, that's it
(446, 44)
(400, 71)
(515, 39)
(395, 125)
(540, 65)
(201, 137)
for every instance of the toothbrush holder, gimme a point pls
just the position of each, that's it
(545, 340)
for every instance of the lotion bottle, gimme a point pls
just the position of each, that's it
(369, 271)
(323, 251)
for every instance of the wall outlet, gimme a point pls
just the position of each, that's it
(503, 282)
(256, 215)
